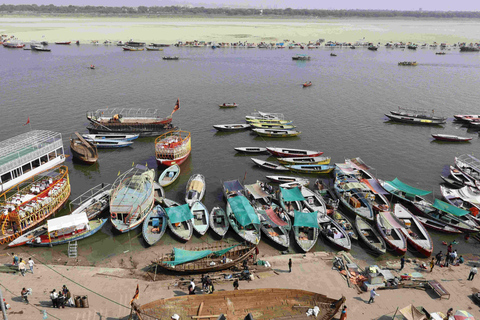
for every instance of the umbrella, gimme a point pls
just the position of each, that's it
(463, 315)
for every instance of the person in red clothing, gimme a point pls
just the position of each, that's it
(344, 313)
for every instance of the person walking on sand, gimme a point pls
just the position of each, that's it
(439, 257)
(235, 284)
(402, 263)
(15, 259)
(22, 267)
(373, 293)
(31, 264)
(289, 265)
(432, 264)
(473, 272)
(25, 295)
(54, 298)
(344, 313)
(449, 314)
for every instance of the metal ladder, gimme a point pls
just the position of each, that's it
(72, 249)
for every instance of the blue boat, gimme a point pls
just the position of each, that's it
(111, 143)
(154, 225)
(112, 136)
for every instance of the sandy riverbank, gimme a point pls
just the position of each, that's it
(109, 290)
(170, 29)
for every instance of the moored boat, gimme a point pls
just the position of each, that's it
(466, 117)
(93, 202)
(63, 42)
(171, 58)
(130, 48)
(179, 219)
(290, 199)
(200, 221)
(111, 143)
(83, 150)
(466, 198)
(110, 136)
(219, 221)
(251, 149)
(231, 127)
(26, 237)
(154, 225)
(311, 168)
(390, 231)
(306, 229)
(243, 219)
(195, 189)
(262, 125)
(333, 232)
(469, 165)
(31, 202)
(269, 165)
(39, 47)
(437, 225)
(413, 120)
(268, 121)
(313, 201)
(173, 147)
(462, 178)
(301, 57)
(169, 175)
(369, 236)
(228, 105)
(276, 133)
(305, 160)
(289, 152)
(287, 179)
(450, 138)
(152, 48)
(132, 198)
(260, 116)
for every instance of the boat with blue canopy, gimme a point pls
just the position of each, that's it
(306, 229)
(243, 219)
(179, 219)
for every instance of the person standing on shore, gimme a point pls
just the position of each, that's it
(373, 293)
(15, 259)
(432, 264)
(449, 314)
(473, 272)
(31, 264)
(25, 295)
(344, 313)
(235, 284)
(54, 298)
(402, 263)
(22, 267)
(289, 265)
(439, 257)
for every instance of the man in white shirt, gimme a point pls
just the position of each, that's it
(31, 264)
(473, 272)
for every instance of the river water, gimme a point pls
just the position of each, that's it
(342, 113)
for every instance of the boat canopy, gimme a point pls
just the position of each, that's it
(355, 186)
(375, 186)
(243, 210)
(306, 219)
(184, 256)
(293, 194)
(232, 185)
(71, 221)
(359, 163)
(397, 184)
(446, 207)
(346, 168)
(411, 313)
(390, 220)
(257, 191)
(470, 160)
(179, 213)
(275, 218)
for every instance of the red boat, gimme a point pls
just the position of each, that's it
(172, 148)
(466, 117)
(63, 42)
(450, 138)
(288, 153)
(307, 84)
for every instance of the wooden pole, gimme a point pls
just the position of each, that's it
(395, 314)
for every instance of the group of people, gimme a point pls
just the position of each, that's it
(22, 265)
(61, 298)
(451, 257)
(207, 285)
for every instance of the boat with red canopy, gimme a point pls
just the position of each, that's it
(173, 147)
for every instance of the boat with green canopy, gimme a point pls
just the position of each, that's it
(291, 200)
(243, 219)
(179, 219)
(439, 211)
(211, 259)
(306, 229)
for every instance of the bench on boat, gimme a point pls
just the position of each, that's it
(438, 288)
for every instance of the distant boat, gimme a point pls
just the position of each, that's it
(228, 105)
(301, 57)
(63, 42)
(39, 47)
(450, 138)
(307, 84)
(231, 127)
(288, 152)
(149, 48)
(269, 165)
(251, 149)
(276, 133)
(130, 48)
(407, 63)
(170, 58)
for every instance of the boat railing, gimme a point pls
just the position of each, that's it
(89, 194)
(131, 215)
(412, 110)
(125, 112)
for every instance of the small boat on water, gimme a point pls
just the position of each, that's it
(287, 179)
(437, 225)
(440, 53)
(173, 147)
(307, 84)
(413, 230)
(132, 198)
(219, 221)
(195, 189)
(389, 229)
(231, 127)
(111, 143)
(67, 228)
(243, 219)
(269, 165)
(407, 63)
(313, 201)
(251, 149)
(306, 229)
(171, 58)
(203, 260)
(110, 136)
(151, 48)
(268, 121)
(333, 54)
(83, 150)
(417, 113)
(130, 48)
(200, 221)
(154, 225)
(288, 152)
(258, 304)
(179, 219)
(39, 47)
(412, 120)
(467, 117)
(169, 175)
(260, 116)
(228, 105)
(305, 160)
(93, 202)
(450, 138)
(63, 42)
(370, 236)
(276, 133)
(301, 57)
(311, 168)
(261, 125)
(333, 232)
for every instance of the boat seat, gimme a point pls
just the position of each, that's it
(155, 222)
(219, 220)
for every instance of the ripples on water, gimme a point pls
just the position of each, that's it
(342, 114)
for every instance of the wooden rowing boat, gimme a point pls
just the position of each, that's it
(231, 127)
(83, 150)
(251, 149)
(220, 257)
(183, 230)
(262, 125)
(269, 165)
(370, 236)
(258, 304)
(287, 179)
(289, 152)
(333, 232)
(313, 201)
(169, 175)
(311, 168)
(154, 225)
(268, 121)
(195, 189)
(438, 226)
(450, 138)
(219, 221)
(276, 133)
(305, 160)
(228, 105)
(201, 218)
(390, 231)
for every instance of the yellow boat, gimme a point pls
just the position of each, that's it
(305, 160)
(262, 125)
(269, 121)
(276, 133)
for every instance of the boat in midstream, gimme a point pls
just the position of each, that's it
(450, 138)
(287, 179)
(439, 211)
(132, 198)
(289, 152)
(93, 202)
(32, 201)
(415, 120)
(83, 150)
(274, 222)
(219, 221)
(195, 189)
(258, 304)
(269, 165)
(369, 236)
(306, 229)
(305, 160)
(179, 219)
(28, 154)
(200, 221)
(417, 113)
(466, 198)
(413, 230)
(173, 147)
(72, 227)
(154, 225)
(169, 175)
(290, 199)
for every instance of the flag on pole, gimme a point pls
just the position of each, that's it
(118, 173)
(28, 121)
(137, 291)
(177, 106)
(133, 163)
(146, 164)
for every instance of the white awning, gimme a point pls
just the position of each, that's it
(68, 221)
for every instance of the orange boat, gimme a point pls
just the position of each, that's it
(172, 147)
(307, 84)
